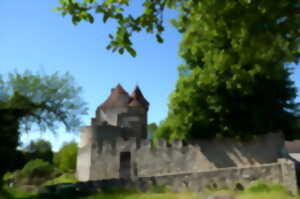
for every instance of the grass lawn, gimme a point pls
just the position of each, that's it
(258, 191)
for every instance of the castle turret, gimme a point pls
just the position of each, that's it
(138, 100)
(135, 120)
(124, 111)
(118, 98)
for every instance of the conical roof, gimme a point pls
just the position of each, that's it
(137, 98)
(134, 102)
(118, 98)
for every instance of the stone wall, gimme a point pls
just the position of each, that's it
(106, 158)
(83, 166)
(89, 134)
(135, 120)
(293, 146)
(86, 152)
(162, 159)
(204, 155)
(281, 172)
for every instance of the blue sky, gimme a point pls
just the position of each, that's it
(33, 36)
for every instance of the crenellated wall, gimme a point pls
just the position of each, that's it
(143, 159)
(281, 172)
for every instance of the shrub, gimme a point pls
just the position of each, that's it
(65, 178)
(65, 158)
(262, 187)
(37, 168)
(159, 189)
(39, 149)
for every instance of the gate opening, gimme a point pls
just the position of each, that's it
(125, 165)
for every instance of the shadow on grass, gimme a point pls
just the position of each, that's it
(19, 195)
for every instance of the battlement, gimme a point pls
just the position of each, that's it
(133, 145)
(104, 155)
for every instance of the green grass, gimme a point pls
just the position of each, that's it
(146, 196)
(16, 193)
(65, 178)
(257, 191)
(266, 195)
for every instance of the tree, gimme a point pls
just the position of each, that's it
(151, 128)
(10, 113)
(56, 98)
(197, 111)
(235, 82)
(36, 171)
(39, 149)
(65, 158)
(27, 99)
(151, 18)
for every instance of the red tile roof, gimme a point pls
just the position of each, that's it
(134, 103)
(120, 98)
(138, 98)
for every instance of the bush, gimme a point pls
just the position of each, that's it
(37, 168)
(65, 158)
(262, 187)
(39, 149)
(65, 178)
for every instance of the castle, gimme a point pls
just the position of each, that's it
(115, 146)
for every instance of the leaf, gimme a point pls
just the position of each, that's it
(105, 17)
(75, 19)
(159, 39)
(131, 51)
(90, 18)
(160, 28)
(108, 47)
(119, 17)
(121, 51)
(99, 9)
(119, 10)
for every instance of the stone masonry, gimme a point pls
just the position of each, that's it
(114, 146)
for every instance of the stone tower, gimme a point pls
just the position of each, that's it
(128, 112)
(121, 116)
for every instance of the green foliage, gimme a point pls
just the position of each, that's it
(150, 20)
(34, 173)
(37, 168)
(262, 187)
(159, 189)
(27, 99)
(217, 13)
(65, 158)
(151, 128)
(144, 196)
(16, 193)
(272, 193)
(57, 98)
(265, 191)
(197, 111)
(39, 149)
(235, 80)
(11, 112)
(65, 178)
